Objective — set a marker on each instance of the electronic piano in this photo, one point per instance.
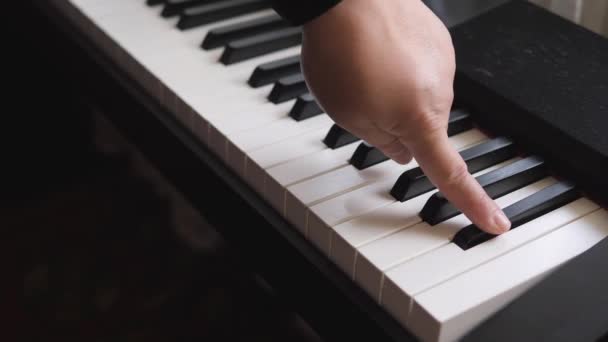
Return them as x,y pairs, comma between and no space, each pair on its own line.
529,119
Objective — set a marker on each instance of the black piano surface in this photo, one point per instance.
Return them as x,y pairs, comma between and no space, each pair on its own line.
569,304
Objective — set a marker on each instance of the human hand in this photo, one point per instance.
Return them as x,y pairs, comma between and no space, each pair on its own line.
384,71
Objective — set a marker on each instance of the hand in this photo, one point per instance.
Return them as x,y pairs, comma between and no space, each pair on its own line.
384,70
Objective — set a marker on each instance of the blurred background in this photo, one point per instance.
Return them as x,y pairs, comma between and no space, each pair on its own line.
592,14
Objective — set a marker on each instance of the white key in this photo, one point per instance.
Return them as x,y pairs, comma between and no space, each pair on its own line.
299,197
269,156
375,258
406,280
257,117
449,310
348,237
273,133
282,176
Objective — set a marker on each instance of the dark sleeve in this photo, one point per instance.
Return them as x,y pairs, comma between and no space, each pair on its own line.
299,12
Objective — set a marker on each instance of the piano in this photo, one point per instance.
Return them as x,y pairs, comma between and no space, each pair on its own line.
364,247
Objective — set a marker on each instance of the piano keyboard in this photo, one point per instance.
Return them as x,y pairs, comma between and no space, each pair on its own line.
229,70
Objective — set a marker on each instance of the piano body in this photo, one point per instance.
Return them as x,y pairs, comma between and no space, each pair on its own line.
363,247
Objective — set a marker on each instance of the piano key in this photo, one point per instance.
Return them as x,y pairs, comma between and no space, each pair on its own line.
246,48
407,280
522,212
276,154
282,176
348,237
375,258
449,310
367,155
209,13
275,132
413,182
271,72
304,194
288,88
496,184
305,107
225,34
338,137
459,121
175,7
95,10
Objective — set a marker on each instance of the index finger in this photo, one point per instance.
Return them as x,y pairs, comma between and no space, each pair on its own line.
445,168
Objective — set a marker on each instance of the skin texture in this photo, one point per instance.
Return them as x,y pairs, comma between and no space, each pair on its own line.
384,70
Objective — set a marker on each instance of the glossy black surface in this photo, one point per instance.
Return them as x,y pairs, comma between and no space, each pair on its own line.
413,182
270,72
521,212
305,107
496,183
246,48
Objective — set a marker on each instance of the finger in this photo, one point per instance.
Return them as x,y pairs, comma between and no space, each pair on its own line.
390,145
397,151
446,169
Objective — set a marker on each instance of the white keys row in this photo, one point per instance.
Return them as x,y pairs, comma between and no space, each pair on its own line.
409,279
450,309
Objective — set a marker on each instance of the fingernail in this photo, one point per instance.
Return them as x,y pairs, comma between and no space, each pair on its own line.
501,222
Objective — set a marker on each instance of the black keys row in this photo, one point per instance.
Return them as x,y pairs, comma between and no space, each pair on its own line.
522,212
223,35
366,156
246,48
413,182
216,11
496,184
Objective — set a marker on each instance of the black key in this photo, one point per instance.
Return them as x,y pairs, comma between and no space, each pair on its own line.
305,107
366,156
338,137
496,184
246,48
459,122
154,2
225,34
175,7
271,72
288,88
209,13
522,212
413,182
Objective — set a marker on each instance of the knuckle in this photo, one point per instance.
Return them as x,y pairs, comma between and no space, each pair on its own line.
457,175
